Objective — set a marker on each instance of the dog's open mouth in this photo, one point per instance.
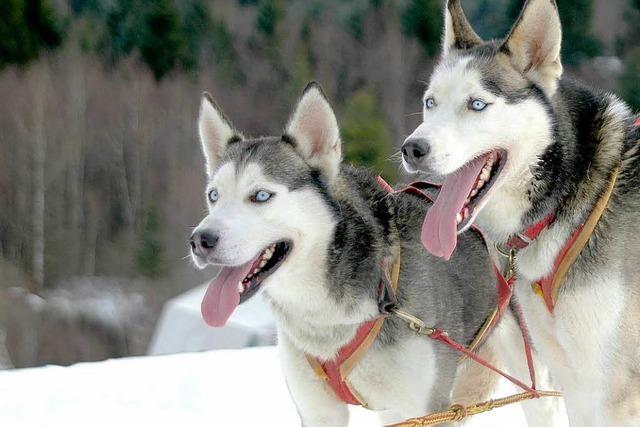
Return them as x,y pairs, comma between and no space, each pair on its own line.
234,285
462,196
268,262
478,195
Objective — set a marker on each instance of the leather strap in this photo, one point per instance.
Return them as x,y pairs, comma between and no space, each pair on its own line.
522,240
549,286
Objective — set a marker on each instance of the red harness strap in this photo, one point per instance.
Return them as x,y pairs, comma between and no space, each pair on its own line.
522,240
548,287
504,297
504,287
335,371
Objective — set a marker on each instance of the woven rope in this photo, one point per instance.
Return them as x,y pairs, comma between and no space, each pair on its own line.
458,412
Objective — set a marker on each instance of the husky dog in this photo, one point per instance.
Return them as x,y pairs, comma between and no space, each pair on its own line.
517,143
288,219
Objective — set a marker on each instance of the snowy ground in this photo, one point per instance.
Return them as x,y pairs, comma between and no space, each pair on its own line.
216,388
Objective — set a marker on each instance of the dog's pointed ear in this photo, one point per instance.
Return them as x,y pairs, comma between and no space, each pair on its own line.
534,44
315,133
216,132
458,33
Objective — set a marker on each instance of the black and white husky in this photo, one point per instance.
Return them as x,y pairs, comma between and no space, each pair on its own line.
288,219
519,144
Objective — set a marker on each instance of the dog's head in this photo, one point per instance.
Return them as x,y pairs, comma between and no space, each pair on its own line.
267,200
486,115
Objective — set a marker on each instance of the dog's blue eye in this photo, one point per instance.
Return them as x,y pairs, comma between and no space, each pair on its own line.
213,196
429,103
477,105
261,196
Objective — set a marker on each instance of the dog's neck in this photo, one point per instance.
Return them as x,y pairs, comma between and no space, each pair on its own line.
331,287
567,177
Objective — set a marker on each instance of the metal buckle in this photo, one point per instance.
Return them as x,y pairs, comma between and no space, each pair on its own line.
511,263
415,324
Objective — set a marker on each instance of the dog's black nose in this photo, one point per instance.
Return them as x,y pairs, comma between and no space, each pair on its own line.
414,150
202,243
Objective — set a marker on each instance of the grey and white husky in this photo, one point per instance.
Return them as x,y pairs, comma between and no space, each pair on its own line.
517,143
288,219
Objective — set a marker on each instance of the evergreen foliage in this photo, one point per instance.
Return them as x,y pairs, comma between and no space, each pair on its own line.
270,13
365,134
423,19
149,257
628,85
26,28
161,43
196,25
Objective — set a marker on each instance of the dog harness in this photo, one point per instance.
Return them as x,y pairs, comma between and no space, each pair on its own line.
335,372
549,286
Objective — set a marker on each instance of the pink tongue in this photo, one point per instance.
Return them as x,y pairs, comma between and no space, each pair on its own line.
439,229
222,296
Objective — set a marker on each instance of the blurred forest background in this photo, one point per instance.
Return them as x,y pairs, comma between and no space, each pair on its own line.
101,174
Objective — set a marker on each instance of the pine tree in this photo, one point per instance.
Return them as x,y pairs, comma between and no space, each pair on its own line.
366,134
196,25
628,85
150,26
270,13
422,19
161,42
26,28
149,257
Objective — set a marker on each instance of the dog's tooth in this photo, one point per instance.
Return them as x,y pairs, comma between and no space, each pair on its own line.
474,192
458,218
263,263
485,175
480,184
240,287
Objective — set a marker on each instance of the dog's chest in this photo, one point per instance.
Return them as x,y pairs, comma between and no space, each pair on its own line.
581,330
398,378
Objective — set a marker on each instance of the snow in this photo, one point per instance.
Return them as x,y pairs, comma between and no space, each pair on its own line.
215,388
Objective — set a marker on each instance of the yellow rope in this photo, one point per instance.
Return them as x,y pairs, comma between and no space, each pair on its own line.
459,412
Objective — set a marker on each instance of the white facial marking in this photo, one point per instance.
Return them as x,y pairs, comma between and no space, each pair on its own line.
247,230
456,135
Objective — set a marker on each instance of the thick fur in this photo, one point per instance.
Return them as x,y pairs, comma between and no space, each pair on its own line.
563,141
342,225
